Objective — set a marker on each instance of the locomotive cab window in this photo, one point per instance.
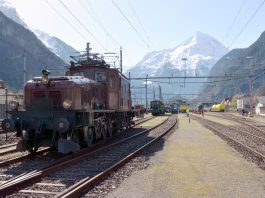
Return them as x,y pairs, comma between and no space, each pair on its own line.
100,76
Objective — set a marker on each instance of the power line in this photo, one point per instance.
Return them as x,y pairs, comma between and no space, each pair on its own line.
244,27
142,39
81,24
98,21
139,21
233,23
56,11
191,77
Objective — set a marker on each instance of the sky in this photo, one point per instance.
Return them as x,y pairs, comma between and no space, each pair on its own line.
143,26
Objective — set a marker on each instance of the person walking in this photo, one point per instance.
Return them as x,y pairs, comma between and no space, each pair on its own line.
188,114
202,113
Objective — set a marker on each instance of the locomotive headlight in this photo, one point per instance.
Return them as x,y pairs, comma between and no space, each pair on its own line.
67,104
45,80
13,104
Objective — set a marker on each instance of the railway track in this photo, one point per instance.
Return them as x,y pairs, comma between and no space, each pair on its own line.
9,154
142,120
9,148
246,123
251,146
68,178
8,138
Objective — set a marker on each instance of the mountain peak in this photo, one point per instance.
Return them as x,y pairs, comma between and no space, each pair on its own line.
203,44
8,9
200,50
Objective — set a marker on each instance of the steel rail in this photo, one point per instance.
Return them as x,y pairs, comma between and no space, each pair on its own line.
239,120
22,157
13,184
8,145
142,120
241,130
234,140
88,182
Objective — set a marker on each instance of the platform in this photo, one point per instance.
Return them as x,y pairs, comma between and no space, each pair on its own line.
195,163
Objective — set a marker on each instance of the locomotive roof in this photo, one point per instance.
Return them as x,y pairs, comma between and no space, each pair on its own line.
75,79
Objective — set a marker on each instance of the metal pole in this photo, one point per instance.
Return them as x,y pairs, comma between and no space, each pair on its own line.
6,92
185,60
87,51
250,83
146,91
154,93
160,97
6,107
121,58
24,68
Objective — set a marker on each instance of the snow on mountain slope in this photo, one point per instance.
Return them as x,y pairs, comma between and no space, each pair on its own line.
8,10
194,57
201,52
56,45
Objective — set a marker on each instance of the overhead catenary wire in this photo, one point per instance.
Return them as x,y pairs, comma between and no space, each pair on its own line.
130,23
91,34
234,21
65,20
249,20
97,20
139,21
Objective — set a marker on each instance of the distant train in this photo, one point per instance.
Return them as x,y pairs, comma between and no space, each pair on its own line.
174,108
91,102
218,107
157,107
183,108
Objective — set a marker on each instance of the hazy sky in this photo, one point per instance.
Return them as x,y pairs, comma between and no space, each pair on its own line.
157,24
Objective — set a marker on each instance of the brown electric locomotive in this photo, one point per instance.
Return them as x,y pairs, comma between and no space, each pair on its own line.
91,102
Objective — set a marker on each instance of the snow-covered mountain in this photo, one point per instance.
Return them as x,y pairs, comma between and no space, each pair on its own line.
56,45
201,52
8,10
195,57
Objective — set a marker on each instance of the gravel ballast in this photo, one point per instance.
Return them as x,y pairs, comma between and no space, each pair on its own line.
194,163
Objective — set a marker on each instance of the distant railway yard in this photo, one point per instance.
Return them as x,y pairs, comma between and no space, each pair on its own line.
109,168
82,134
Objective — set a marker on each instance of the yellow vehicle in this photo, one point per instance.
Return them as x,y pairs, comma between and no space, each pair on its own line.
183,108
218,108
